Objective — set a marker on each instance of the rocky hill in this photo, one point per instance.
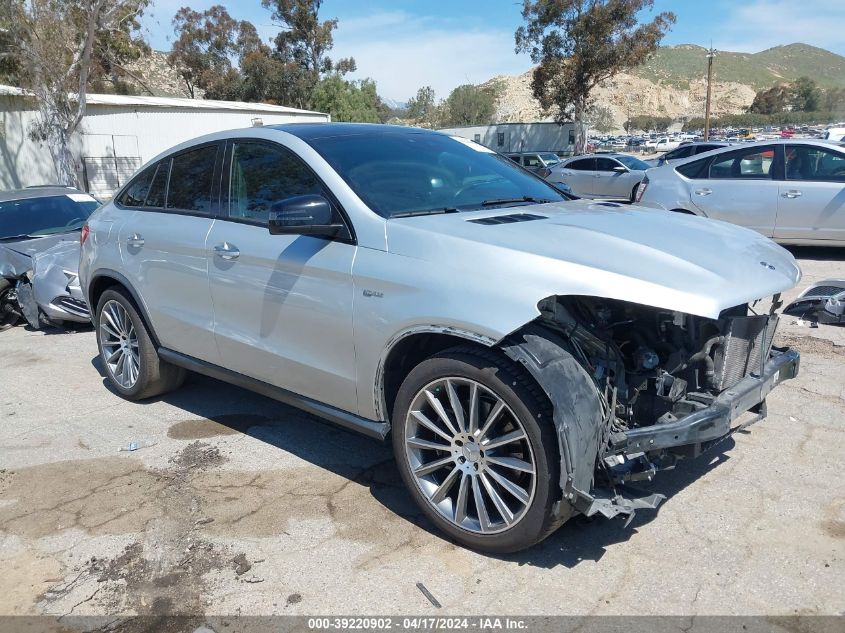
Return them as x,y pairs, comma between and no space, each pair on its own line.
157,76
673,83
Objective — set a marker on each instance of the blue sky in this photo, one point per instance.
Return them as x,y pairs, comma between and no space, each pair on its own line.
405,44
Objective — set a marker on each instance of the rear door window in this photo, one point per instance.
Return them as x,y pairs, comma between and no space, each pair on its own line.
583,164
606,164
192,180
700,149
753,163
681,152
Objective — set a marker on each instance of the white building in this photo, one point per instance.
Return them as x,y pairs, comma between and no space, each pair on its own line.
520,137
121,133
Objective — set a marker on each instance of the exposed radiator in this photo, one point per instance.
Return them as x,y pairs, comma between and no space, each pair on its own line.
748,341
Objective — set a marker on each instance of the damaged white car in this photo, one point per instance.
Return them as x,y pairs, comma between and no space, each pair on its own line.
531,355
39,256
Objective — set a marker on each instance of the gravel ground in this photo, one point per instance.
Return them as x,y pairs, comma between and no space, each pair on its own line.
235,504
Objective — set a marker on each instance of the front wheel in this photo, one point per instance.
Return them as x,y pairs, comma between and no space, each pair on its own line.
473,438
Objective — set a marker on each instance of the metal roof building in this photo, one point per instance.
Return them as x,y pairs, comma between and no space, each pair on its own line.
120,133
539,136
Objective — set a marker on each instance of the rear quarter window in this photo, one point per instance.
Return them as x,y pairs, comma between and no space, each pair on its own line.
695,169
135,194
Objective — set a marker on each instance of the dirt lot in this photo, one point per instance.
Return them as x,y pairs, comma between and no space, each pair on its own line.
237,504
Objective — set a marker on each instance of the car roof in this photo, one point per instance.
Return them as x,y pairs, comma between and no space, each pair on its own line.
37,192
302,131
313,131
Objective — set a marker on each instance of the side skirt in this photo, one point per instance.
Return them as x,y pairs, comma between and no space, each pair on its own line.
344,419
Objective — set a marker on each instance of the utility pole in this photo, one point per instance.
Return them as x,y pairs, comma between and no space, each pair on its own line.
710,55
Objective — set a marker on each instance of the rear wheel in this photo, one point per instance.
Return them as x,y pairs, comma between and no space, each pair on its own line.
127,350
473,438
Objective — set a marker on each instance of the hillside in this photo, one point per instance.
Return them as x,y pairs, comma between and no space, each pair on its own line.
676,65
673,83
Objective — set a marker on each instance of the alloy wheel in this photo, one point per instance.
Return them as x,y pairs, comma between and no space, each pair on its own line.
470,455
119,343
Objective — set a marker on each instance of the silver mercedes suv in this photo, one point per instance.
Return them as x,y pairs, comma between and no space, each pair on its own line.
530,355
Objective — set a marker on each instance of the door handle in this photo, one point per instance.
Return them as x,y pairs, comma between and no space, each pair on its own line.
227,251
792,193
703,192
135,240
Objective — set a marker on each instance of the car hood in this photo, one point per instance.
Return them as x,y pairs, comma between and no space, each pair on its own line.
662,259
16,256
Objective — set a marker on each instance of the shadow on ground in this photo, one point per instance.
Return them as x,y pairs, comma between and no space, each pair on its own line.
817,253
217,408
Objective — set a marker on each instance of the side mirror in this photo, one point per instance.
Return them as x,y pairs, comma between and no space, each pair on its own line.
619,169
304,215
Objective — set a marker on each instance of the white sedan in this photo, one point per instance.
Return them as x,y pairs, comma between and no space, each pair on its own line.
791,190
605,176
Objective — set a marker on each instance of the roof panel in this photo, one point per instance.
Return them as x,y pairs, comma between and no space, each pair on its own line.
176,102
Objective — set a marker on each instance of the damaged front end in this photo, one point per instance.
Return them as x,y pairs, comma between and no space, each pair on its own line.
42,288
636,388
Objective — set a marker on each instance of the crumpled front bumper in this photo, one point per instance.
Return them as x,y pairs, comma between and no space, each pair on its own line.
714,421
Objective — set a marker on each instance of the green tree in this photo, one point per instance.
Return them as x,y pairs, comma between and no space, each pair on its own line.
206,43
301,49
349,100
577,44
57,49
422,108
601,119
769,101
468,105
806,96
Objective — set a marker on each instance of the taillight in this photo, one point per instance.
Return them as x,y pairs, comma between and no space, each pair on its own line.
641,189
83,235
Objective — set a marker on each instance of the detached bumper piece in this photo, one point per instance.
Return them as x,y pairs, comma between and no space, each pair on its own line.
823,302
714,421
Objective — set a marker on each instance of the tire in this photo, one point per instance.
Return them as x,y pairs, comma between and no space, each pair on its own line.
524,408
9,316
117,314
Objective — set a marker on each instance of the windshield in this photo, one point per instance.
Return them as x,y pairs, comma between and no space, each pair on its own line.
551,159
36,217
407,173
632,162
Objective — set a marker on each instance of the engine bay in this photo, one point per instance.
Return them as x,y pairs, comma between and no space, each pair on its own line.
654,367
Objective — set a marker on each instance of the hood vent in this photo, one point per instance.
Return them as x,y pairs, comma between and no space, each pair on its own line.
508,219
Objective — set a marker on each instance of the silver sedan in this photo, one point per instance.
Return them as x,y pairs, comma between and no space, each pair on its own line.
791,190
606,176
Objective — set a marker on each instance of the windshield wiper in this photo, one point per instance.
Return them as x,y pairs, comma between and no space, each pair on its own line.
19,237
410,214
495,201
